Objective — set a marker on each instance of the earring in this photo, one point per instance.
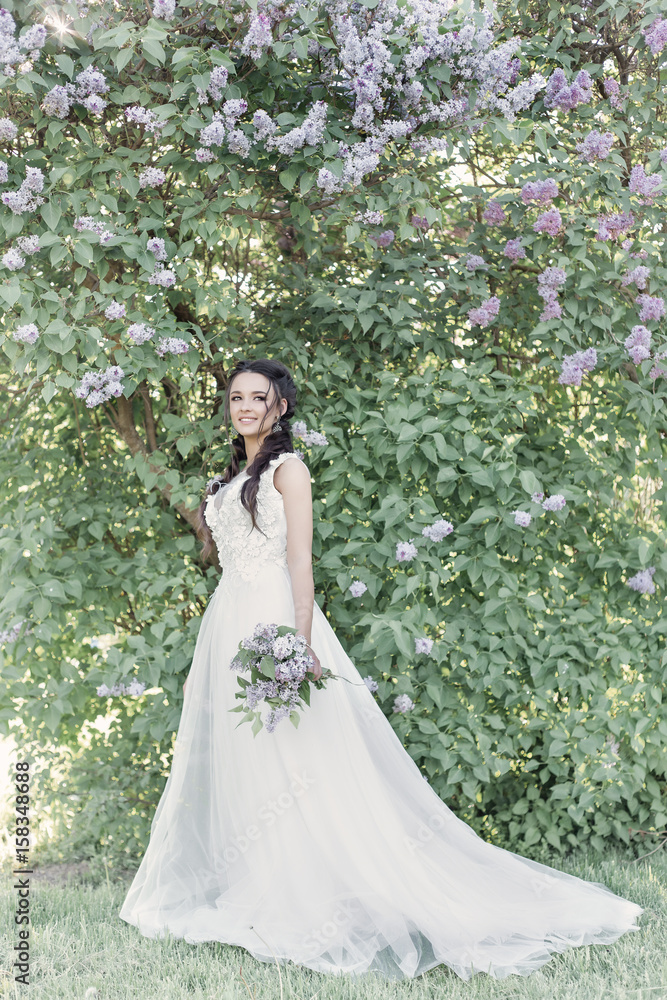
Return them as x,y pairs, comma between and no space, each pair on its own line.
276,426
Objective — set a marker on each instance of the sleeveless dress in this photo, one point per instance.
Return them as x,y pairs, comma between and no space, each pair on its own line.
324,844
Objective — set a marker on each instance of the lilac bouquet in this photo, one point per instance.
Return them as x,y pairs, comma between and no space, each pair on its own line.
277,660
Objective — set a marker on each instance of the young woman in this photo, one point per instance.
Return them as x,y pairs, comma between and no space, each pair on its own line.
323,844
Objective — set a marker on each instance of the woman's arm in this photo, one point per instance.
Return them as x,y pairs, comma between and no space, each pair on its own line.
292,479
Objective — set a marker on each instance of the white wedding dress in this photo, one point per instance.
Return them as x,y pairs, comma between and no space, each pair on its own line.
324,844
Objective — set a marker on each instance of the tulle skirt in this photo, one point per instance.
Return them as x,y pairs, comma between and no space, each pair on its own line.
324,844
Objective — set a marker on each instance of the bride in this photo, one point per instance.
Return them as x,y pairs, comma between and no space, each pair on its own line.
323,844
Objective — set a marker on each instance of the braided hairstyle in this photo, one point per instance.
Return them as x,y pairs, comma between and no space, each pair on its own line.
274,444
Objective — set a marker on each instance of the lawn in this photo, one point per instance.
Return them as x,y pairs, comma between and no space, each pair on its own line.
81,949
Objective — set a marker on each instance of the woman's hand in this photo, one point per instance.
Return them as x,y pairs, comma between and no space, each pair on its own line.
316,670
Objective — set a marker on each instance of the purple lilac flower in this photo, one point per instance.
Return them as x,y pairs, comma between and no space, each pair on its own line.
204,155
566,97
522,518
549,283
238,142
144,116
264,125
541,192
115,310
94,104
494,214
595,146
643,581
482,315
8,129
259,36
420,222
403,703
370,684
384,239
555,502
213,134
473,261
87,222
614,226
405,551
537,496
97,387
357,588
651,307
574,366
25,200
10,635
638,276
27,334
438,530
646,186
423,644
548,222
4,173
171,345
58,101
638,343
514,249
655,35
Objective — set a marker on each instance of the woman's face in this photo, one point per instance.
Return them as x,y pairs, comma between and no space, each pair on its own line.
251,394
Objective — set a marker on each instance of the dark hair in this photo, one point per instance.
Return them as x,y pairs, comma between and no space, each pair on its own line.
274,444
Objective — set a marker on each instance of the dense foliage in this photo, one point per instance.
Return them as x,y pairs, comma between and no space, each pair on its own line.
450,223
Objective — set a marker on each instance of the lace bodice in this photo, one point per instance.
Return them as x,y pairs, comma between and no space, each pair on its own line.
241,548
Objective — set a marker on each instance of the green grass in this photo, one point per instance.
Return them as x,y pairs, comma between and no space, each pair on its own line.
78,942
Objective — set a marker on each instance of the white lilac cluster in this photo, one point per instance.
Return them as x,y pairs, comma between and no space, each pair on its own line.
171,345
438,530
8,129
539,192
291,662
89,223
522,518
97,387
135,688
564,96
90,83
163,276
403,703
14,259
638,276
164,10
370,218
548,285
370,684
405,551
595,146
139,333
156,246
423,644
259,35
357,588
484,314
25,199
115,310
309,133
300,431
645,186
574,365
642,581
139,115
27,334
151,177
21,52
614,226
